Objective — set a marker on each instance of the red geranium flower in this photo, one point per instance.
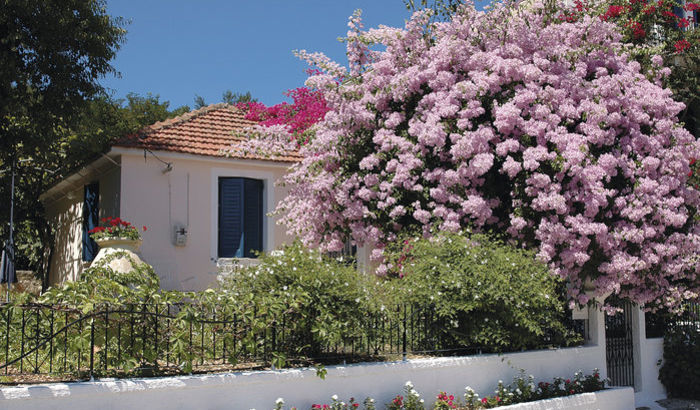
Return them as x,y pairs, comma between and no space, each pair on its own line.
669,15
682,45
613,11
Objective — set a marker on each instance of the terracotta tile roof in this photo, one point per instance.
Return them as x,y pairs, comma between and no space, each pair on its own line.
205,131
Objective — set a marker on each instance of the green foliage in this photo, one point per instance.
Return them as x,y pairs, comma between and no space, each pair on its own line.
442,8
522,390
101,285
485,292
54,115
322,300
229,97
410,400
680,373
53,54
295,307
104,119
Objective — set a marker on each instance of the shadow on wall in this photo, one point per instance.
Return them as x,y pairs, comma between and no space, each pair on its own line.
66,262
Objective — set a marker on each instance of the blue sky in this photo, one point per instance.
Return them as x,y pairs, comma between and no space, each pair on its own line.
179,48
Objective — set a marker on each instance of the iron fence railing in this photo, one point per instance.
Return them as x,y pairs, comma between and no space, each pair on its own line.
147,339
656,324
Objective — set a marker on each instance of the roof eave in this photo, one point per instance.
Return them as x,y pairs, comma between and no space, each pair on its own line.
68,184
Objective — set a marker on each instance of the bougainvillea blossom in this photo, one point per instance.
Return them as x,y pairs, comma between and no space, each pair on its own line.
505,121
308,107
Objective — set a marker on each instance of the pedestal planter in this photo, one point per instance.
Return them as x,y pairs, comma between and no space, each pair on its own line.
128,249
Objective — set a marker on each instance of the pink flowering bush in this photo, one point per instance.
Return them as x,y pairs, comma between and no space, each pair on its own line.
308,107
513,122
281,128
655,27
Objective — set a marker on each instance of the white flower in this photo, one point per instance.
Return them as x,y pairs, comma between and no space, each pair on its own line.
414,393
279,400
422,401
409,384
334,397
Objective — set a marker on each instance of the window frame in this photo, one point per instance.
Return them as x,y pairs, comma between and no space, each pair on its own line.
245,194
268,197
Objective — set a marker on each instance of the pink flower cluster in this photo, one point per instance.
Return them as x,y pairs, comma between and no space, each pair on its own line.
308,107
546,132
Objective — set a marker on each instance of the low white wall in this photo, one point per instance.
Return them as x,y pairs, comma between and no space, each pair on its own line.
301,387
619,398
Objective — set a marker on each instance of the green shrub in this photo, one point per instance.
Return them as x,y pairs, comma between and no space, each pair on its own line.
680,373
486,293
99,284
321,300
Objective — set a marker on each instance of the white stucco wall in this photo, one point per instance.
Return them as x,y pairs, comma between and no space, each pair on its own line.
648,387
301,387
65,214
187,196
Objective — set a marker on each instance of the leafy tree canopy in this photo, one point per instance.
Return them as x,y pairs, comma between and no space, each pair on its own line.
53,53
229,97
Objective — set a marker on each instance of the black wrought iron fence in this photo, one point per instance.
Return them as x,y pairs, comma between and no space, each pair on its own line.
147,339
658,323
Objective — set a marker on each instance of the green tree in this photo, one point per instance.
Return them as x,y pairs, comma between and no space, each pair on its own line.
234,98
105,119
442,8
53,53
228,97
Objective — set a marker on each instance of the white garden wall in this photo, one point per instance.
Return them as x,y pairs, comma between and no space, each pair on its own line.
618,398
648,356
301,387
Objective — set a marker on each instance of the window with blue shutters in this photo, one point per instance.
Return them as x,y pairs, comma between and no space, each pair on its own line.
240,217
91,211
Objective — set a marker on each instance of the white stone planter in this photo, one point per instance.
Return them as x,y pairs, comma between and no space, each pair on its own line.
121,264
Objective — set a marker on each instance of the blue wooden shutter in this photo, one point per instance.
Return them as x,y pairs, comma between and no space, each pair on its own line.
231,217
252,217
678,11
90,219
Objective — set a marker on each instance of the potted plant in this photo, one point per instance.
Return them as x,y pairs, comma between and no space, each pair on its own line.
116,233
118,241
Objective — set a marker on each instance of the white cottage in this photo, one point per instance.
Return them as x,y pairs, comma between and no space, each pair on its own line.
198,204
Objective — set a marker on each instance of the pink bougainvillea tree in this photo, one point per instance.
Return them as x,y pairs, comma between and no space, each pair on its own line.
283,127
513,122
307,108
